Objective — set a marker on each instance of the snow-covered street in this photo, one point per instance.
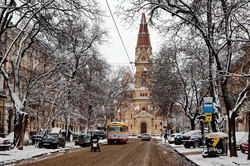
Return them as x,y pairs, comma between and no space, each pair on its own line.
30,151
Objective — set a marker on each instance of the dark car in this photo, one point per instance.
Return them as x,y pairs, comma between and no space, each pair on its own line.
83,140
99,133
36,138
76,135
145,136
38,135
52,140
192,138
178,139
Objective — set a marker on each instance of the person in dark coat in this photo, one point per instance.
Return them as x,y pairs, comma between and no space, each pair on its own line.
165,137
95,136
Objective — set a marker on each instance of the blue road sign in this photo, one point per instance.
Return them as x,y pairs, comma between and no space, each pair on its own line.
208,105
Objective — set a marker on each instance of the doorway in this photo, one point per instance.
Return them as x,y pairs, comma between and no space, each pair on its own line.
143,128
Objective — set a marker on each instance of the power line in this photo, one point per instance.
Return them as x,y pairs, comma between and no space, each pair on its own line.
119,33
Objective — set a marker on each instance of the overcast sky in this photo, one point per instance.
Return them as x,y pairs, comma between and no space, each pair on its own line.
113,51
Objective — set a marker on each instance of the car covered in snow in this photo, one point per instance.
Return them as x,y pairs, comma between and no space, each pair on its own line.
244,143
240,138
8,142
5,143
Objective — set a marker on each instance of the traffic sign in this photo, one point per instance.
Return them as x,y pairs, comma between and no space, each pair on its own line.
208,117
208,105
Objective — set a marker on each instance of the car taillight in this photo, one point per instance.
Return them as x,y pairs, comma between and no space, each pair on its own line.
189,138
6,142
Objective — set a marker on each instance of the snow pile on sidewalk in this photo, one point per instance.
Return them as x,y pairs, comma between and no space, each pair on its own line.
194,154
15,155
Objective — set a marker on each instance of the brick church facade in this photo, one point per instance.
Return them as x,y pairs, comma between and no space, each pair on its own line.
137,109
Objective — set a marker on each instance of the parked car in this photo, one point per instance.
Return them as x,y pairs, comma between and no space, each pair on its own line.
76,135
5,144
145,136
138,135
171,139
99,133
244,143
36,138
52,140
192,138
8,142
178,139
83,140
240,138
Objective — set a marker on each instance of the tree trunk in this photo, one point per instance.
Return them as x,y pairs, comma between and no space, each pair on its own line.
232,138
22,132
213,124
192,124
17,129
248,119
20,127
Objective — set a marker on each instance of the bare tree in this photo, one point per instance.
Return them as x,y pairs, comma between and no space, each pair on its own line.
179,72
114,89
20,23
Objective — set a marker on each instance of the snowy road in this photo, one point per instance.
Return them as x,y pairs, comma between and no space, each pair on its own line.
134,153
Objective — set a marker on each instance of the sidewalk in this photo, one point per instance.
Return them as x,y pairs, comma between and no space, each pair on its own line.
194,154
30,151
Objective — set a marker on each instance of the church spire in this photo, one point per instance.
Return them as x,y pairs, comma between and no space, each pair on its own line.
143,36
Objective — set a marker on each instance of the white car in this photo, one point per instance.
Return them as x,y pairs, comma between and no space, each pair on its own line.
146,136
171,138
7,143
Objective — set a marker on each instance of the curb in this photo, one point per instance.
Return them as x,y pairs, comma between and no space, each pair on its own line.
193,163
182,155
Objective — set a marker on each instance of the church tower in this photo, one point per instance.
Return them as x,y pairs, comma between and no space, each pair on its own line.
143,53
137,109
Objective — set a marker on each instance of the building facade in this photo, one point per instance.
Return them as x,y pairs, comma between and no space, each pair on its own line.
137,109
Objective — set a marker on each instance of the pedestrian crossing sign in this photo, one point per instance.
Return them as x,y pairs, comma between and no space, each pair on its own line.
208,117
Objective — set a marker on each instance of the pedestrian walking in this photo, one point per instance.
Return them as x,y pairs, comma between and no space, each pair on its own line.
165,137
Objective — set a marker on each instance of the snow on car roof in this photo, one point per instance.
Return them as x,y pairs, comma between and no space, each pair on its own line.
217,134
56,130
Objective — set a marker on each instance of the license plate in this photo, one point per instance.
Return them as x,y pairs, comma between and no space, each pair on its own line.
94,145
45,143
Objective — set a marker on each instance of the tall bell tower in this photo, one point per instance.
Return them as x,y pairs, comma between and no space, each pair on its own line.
143,52
137,110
